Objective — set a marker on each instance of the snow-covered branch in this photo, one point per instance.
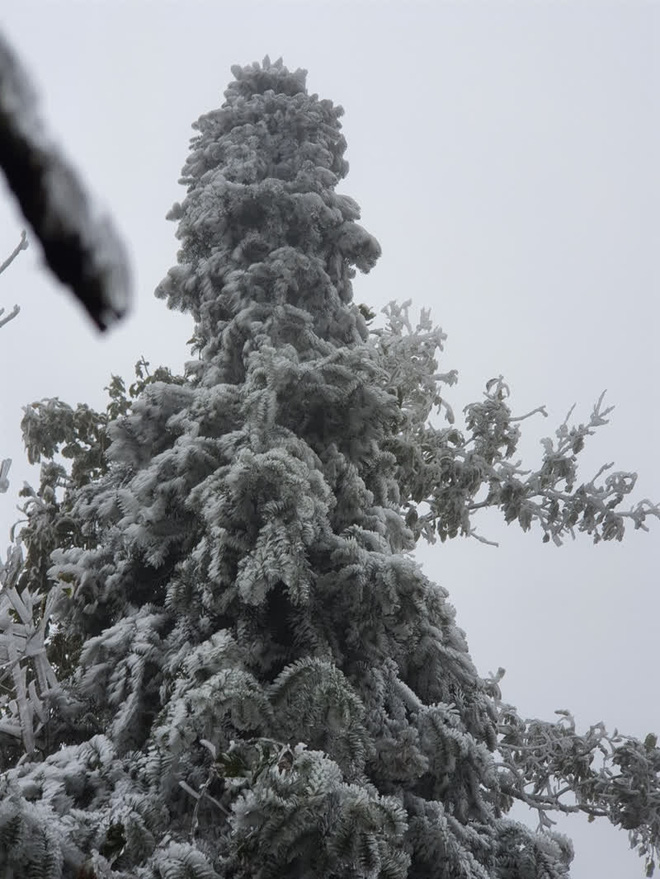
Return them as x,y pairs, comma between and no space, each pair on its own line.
551,767
447,475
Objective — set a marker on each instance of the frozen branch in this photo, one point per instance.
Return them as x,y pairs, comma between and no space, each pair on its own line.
604,774
22,245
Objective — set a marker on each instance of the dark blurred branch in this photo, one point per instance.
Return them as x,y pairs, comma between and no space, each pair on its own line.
81,248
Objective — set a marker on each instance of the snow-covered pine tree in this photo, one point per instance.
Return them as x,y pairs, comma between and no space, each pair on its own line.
256,678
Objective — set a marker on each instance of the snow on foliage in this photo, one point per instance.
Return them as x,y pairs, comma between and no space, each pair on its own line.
244,672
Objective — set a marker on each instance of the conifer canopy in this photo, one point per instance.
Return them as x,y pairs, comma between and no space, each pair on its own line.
224,659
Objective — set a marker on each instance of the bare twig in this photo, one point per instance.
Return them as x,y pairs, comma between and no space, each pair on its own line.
22,245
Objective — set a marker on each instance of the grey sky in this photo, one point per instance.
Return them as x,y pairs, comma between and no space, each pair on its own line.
506,157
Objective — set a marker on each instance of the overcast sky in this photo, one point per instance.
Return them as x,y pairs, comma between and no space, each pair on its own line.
506,157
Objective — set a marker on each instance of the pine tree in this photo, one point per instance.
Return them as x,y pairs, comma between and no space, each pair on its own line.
237,667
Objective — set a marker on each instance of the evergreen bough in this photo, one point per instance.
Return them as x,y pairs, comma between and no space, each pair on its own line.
220,656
